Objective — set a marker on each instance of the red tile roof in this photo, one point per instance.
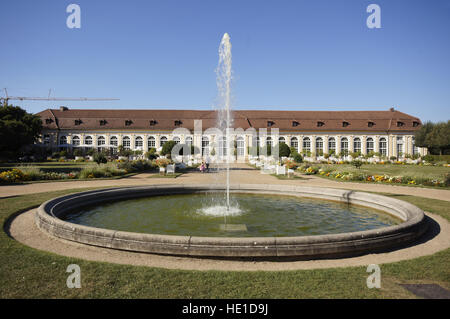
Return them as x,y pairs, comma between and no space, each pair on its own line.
283,120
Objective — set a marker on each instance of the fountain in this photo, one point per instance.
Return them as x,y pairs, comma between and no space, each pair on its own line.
267,220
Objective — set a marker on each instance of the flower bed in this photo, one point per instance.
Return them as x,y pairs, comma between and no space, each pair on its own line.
375,178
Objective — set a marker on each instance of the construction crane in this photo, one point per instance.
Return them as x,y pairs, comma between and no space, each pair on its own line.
4,100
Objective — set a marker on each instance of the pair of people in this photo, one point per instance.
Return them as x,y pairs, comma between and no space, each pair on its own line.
204,167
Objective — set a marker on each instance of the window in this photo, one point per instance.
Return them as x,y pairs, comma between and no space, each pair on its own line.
400,124
188,141
345,124
128,122
306,144
178,123
63,140
357,145
416,124
383,146
75,141
153,122
78,122
101,141
88,140
138,142
163,141
113,141
281,140
240,146
320,124
319,146
126,142
331,144
295,123
344,146
223,146
370,124
205,145
151,142
103,122
294,142
176,139
270,123
48,121
399,146
269,142
369,145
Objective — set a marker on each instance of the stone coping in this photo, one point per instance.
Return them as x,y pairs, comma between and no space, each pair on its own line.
48,216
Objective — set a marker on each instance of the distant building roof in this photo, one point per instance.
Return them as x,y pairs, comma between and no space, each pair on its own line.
167,120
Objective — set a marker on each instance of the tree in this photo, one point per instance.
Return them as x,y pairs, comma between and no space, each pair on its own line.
439,137
167,148
100,158
434,136
284,150
18,128
421,134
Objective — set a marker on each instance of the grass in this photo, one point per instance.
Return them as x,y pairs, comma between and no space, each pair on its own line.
29,273
157,175
58,167
283,177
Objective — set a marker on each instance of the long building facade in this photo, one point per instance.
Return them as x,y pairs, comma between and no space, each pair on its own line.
390,132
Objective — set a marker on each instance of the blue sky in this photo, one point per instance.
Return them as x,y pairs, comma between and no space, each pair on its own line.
303,55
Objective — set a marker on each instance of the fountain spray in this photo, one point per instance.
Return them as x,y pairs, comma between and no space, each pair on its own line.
224,90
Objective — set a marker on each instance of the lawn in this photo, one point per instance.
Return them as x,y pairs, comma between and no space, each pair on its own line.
29,273
58,167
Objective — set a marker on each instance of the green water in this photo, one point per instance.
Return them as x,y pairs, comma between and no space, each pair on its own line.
262,215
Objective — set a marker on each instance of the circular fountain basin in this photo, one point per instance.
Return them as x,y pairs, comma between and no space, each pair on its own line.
269,221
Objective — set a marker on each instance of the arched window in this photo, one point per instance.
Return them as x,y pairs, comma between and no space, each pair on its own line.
281,140
383,146
88,140
223,146
151,142
126,143
344,146
188,141
240,146
163,141
76,141
176,139
399,146
63,140
101,140
113,141
331,145
294,142
369,144
269,142
138,142
205,146
306,144
319,146
357,144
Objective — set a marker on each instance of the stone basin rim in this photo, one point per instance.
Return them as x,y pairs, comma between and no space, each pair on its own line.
311,247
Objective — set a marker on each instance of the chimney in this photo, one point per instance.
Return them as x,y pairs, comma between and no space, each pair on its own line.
63,108
392,109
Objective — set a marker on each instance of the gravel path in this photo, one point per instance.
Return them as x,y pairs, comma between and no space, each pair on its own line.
240,174
24,230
